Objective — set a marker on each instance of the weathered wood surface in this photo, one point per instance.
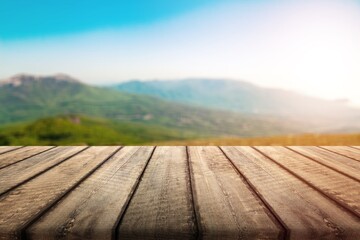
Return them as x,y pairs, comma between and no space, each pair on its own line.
80,213
162,204
4,149
334,161
179,192
25,203
302,209
20,172
21,154
227,206
342,189
345,151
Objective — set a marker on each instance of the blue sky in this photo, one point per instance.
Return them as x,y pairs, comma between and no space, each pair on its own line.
41,18
310,46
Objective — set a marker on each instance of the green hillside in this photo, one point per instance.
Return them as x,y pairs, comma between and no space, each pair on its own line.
28,98
80,130
282,140
246,98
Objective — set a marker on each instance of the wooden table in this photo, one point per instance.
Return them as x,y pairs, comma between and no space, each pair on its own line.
180,192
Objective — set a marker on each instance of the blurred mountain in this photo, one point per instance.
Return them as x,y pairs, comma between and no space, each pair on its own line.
246,98
28,98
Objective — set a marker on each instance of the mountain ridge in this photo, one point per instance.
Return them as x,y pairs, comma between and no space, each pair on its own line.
247,98
48,96
23,78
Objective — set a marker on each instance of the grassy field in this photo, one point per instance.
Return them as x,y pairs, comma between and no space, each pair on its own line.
81,130
299,140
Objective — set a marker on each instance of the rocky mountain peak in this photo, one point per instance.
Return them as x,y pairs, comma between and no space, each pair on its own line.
21,79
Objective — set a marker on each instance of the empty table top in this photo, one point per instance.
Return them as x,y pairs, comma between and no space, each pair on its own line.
148,192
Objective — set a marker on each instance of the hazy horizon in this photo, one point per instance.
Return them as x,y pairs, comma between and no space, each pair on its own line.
105,84
310,47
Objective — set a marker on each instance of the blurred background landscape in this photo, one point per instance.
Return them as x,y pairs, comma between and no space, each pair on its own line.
59,110
190,73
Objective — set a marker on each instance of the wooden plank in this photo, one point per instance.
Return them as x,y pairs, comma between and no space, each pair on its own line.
337,162
340,188
21,206
4,149
19,172
306,213
162,205
227,207
12,157
92,209
345,151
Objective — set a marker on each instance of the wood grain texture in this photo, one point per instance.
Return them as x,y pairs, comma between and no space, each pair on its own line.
336,186
179,193
332,160
92,209
161,207
345,151
23,204
20,154
306,213
4,149
227,208
21,171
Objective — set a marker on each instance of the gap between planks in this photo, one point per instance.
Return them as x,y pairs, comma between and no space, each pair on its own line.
195,210
344,151
352,208
349,168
